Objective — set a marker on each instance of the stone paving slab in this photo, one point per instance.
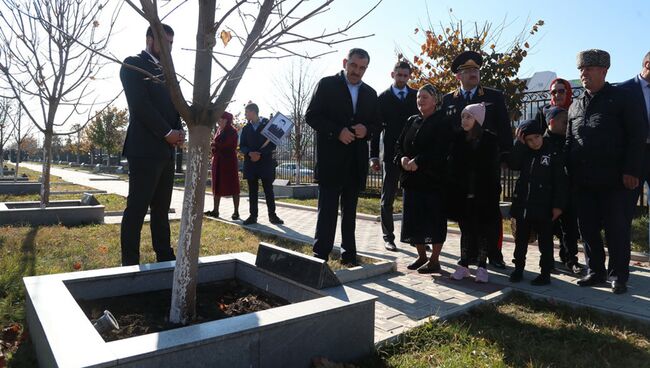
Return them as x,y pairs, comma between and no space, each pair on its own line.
406,298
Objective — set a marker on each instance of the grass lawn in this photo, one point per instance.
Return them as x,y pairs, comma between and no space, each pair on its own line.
521,332
28,251
112,202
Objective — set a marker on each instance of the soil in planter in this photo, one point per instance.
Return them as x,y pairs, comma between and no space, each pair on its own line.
144,313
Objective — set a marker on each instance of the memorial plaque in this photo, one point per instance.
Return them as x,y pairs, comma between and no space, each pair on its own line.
307,270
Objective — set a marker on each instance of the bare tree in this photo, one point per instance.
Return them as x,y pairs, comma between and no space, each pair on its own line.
295,90
256,29
6,129
47,64
21,135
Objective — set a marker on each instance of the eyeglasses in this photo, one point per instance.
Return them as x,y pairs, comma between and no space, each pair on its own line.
558,91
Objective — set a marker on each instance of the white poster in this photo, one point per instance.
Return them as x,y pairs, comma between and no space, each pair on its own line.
277,128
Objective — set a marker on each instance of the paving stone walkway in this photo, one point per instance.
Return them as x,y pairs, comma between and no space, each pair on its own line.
406,298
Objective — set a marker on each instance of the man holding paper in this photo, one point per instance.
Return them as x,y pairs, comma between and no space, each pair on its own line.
258,164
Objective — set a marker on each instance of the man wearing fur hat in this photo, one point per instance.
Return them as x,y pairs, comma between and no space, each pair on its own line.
466,66
605,145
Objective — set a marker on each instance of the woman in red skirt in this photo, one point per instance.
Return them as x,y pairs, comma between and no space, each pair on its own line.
225,178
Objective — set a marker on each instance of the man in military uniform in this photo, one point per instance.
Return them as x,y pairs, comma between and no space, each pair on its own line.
467,68
605,145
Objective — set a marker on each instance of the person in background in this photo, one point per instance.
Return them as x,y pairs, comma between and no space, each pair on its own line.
566,228
396,105
474,190
561,96
467,66
421,152
538,199
154,132
345,115
224,165
259,164
605,145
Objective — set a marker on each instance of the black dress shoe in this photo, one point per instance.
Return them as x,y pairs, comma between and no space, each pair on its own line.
517,275
349,262
274,219
416,264
235,216
390,245
619,287
574,267
591,280
541,279
251,220
498,264
211,213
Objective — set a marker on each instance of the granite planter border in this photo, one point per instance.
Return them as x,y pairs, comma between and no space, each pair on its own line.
337,323
68,213
299,191
20,187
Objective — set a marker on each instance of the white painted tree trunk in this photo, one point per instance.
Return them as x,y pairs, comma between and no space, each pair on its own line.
47,163
189,241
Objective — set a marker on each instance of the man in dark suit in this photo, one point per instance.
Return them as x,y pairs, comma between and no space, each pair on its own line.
639,86
466,66
344,113
153,133
259,164
396,105
605,146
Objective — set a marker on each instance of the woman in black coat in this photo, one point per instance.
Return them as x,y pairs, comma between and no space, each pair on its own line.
421,152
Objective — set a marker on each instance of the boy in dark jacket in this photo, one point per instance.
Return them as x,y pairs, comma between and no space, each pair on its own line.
566,228
540,195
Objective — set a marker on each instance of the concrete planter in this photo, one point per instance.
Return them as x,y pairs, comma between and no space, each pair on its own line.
299,191
11,178
68,213
18,188
337,323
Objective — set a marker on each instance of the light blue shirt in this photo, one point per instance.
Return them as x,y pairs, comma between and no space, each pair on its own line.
354,93
397,91
255,124
472,92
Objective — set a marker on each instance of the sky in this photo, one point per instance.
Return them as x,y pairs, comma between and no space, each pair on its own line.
570,26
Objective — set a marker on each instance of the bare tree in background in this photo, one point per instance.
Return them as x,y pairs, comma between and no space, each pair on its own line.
21,135
47,65
6,129
295,90
250,29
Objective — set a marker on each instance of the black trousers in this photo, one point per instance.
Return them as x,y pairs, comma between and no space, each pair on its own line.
253,190
475,234
150,186
388,190
544,229
610,210
493,239
329,198
566,229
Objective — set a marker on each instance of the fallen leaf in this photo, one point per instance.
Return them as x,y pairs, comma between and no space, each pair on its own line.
77,265
103,249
